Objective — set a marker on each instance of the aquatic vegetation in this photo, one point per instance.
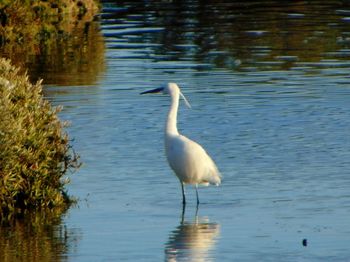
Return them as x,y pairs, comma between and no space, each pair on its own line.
35,152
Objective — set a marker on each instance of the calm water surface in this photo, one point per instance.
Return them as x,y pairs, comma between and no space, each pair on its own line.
269,84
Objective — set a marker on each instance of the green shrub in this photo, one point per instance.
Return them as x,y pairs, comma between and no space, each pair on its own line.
34,149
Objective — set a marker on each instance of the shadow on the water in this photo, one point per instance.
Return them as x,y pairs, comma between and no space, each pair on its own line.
37,236
192,241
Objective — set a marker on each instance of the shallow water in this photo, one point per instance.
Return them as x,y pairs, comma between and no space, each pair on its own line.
269,87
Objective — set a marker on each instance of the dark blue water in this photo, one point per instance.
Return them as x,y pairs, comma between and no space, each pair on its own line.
269,85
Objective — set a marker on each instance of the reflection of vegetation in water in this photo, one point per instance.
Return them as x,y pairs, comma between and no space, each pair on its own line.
38,236
245,34
56,40
76,60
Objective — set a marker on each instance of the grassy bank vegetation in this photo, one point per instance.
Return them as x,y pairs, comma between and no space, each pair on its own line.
57,40
29,21
34,149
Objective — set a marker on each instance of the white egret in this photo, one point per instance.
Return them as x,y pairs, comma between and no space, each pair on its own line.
189,161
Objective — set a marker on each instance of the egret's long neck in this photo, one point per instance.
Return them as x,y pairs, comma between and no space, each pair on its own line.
171,124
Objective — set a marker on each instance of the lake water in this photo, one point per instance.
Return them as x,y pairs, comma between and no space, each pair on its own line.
269,85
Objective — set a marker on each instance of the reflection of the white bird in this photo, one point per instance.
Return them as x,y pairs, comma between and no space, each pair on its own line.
192,241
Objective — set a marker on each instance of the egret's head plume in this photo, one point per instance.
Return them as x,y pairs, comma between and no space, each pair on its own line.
172,88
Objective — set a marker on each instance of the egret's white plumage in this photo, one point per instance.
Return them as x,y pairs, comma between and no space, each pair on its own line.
188,159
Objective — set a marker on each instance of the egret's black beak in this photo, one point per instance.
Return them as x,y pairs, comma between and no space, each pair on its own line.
157,90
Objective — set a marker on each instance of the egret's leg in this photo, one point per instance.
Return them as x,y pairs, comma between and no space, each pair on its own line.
183,214
183,193
197,194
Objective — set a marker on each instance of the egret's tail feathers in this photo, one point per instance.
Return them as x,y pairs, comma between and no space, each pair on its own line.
214,179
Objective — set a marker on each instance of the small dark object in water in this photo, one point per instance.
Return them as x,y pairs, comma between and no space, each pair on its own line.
304,242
